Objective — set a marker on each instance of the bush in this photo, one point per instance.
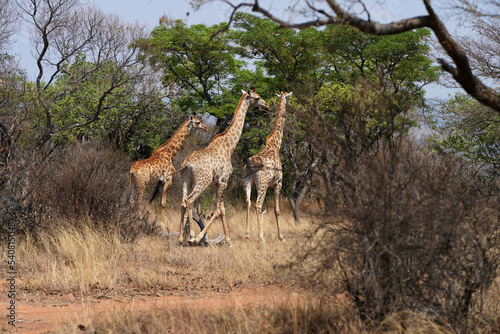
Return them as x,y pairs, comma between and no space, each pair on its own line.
409,230
78,185
84,181
17,209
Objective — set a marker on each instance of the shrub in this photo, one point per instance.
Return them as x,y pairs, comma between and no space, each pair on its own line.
409,230
83,181
17,209
77,185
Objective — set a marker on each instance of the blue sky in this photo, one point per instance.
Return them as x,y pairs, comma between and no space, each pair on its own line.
148,12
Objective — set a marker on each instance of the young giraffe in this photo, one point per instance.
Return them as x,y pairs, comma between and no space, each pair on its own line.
159,166
264,169
212,166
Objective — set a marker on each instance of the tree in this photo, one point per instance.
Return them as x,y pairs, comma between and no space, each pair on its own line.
13,111
11,86
294,60
471,130
336,14
463,125
198,63
62,32
396,65
8,22
133,119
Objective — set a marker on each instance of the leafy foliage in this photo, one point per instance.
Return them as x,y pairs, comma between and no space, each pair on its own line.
291,59
198,63
466,127
13,112
128,120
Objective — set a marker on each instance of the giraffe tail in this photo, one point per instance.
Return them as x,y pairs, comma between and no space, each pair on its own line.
159,184
157,190
247,171
252,166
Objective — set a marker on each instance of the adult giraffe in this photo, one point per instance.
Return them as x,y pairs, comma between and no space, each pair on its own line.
212,166
264,169
159,166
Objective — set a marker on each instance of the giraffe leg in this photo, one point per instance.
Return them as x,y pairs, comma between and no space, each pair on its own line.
220,188
277,190
261,195
222,210
195,193
181,227
189,208
166,186
186,185
139,192
248,191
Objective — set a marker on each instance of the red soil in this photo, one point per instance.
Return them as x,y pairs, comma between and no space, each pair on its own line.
37,314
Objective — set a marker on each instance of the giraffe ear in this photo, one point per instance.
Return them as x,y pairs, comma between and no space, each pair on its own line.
278,95
289,94
243,92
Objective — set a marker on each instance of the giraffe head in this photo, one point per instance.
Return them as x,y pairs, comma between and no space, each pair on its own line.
255,99
287,96
195,123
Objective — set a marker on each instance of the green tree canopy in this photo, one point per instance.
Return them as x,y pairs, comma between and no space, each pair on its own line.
131,118
292,59
197,62
470,129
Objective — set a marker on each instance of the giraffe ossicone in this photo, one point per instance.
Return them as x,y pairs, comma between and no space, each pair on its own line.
264,169
212,166
159,166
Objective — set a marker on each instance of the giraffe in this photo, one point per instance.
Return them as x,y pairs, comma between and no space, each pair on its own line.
159,166
264,169
212,166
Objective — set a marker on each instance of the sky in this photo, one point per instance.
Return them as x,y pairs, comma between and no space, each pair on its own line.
148,12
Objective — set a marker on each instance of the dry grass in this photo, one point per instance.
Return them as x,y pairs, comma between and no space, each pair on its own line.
304,318
86,259
311,317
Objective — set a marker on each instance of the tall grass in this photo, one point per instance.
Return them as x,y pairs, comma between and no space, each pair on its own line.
90,261
71,259
86,258
307,317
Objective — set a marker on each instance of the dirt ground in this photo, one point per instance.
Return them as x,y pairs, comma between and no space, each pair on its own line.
42,314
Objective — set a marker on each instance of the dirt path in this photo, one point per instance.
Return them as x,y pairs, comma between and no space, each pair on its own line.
41,316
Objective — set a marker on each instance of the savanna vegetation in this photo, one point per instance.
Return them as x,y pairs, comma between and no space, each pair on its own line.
391,204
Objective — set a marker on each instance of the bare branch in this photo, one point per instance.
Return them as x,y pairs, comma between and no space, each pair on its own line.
76,45
460,70
313,23
8,21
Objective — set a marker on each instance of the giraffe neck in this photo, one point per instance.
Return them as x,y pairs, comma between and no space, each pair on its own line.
228,139
273,141
173,145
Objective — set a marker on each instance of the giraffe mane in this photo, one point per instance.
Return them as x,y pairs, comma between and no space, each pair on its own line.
170,139
229,127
